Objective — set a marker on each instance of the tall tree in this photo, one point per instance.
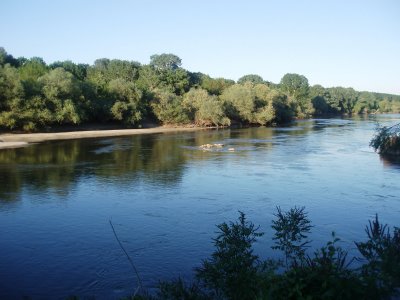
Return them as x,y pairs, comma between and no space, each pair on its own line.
11,96
253,78
204,109
165,61
295,85
105,70
168,107
29,72
127,101
215,86
342,99
319,98
297,88
61,92
78,70
240,102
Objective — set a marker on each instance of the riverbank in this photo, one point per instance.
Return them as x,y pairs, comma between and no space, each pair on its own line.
15,140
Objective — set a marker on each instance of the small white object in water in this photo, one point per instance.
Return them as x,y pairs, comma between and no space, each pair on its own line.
231,149
211,146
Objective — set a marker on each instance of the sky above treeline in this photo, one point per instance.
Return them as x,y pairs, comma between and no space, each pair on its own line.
333,43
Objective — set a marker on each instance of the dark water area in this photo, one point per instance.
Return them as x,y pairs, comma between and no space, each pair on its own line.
165,195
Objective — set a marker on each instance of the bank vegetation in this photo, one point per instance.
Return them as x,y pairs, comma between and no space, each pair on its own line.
35,96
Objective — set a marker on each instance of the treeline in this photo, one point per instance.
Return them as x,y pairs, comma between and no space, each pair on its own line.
35,95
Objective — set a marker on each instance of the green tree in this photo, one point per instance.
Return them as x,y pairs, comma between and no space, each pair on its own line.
264,109
297,88
62,94
33,69
10,86
175,80
148,79
282,110
291,233
78,70
342,99
104,70
168,108
215,86
295,85
11,96
205,109
3,56
252,103
382,253
127,101
165,61
253,78
30,72
240,102
233,268
319,99
366,102
6,58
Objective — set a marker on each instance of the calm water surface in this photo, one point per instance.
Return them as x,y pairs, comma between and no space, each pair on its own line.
165,195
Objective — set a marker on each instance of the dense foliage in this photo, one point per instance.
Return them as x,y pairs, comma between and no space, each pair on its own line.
234,271
387,140
37,96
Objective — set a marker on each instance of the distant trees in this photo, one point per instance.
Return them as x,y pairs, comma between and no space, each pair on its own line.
34,95
240,102
78,70
205,109
168,108
253,78
127,101
342,99
165,61
297,88
215,86
256,104
11,96
319,97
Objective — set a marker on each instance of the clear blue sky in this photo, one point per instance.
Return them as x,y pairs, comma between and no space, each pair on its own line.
332,43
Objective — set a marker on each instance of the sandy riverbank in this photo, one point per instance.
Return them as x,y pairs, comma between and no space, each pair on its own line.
24,139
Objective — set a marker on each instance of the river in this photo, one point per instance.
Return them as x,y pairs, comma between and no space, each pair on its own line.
165,195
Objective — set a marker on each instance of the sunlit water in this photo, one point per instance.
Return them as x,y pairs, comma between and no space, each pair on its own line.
164,196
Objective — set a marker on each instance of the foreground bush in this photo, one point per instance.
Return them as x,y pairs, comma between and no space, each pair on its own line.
234,271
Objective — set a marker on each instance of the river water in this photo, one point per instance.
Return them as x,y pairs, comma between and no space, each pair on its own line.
165,195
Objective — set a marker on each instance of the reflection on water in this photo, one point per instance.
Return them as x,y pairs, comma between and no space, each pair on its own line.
165,194
157,159
391,161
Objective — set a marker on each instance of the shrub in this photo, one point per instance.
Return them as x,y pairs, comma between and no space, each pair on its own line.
232,271
382,254
291,230
387,140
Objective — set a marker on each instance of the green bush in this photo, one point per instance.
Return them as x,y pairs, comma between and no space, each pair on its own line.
382,255
387,140
234,272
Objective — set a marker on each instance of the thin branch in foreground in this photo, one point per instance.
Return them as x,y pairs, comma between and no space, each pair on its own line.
140,286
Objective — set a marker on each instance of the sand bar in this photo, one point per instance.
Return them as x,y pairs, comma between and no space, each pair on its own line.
23,139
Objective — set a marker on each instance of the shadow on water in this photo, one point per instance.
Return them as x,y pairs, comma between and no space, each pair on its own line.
391,161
